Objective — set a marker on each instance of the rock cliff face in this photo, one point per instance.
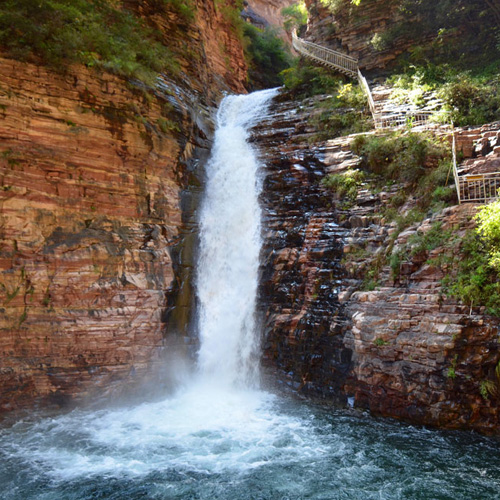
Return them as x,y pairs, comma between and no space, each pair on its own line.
377,32
402,350
266,12
92,171
300,309
352,30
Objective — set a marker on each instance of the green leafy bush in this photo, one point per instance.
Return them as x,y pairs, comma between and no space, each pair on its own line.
344,113
476,283
471,101
232,14
428,241
345,184
295,16
267,56
93,32
400,157
304,80
488,228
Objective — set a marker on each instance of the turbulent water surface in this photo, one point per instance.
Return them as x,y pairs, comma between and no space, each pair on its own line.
202,444
219,436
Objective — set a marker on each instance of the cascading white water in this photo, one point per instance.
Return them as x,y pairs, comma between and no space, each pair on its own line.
212,440
230,243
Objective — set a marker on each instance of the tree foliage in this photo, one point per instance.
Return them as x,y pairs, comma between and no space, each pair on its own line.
488,227
295,16
267,56
93,32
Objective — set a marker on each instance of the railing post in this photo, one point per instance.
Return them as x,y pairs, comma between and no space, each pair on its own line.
454,159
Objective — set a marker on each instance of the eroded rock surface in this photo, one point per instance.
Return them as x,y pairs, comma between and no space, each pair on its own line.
99,181
266,12
403,349
302,251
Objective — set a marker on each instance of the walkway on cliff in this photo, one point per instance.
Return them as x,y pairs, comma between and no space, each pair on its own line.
385,114
477,182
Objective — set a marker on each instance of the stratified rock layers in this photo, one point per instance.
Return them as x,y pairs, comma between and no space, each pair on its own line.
268,11
91,174
403,350
89,210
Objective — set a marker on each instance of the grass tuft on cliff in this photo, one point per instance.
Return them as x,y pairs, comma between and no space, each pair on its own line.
96,33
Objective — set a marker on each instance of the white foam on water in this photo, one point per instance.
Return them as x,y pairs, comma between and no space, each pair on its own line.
203,429
221,421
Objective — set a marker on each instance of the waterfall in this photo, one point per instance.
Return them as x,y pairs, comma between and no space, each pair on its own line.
217,436
230,243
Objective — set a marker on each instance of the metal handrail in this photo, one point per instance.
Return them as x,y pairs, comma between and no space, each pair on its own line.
455,169
338,60
475,188
349,65
366,89
472,188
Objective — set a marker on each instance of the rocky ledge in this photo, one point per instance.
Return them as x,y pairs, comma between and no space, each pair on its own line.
402,349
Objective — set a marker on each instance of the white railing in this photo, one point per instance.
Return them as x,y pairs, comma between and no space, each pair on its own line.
341,62
366,89
455,167
349,65
403,119
475,188
479,188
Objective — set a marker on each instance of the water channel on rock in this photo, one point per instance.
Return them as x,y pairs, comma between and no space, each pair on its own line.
219,436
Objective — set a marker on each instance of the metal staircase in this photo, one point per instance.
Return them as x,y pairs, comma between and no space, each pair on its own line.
477,188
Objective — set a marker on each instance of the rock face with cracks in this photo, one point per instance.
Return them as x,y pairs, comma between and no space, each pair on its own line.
403,349
92,174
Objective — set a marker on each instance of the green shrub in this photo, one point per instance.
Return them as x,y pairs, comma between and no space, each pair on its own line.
343,114
93,32
267,55
470,101
232,14
304,80
400,157
476,283
428,241
488,228
395,261
339,123
295,16
345,184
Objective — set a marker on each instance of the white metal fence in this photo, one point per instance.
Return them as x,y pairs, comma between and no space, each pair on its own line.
475,188
341,62
478,188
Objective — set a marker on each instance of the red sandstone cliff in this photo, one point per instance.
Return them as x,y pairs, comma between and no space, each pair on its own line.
404,349
91,171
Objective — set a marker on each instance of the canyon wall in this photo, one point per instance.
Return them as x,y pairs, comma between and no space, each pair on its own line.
352,29
400,348
378,32
93,171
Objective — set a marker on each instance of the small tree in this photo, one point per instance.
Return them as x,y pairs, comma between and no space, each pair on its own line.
295,16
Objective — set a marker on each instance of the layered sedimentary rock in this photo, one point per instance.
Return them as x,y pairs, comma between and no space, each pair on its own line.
377,32
301,313
92,171
403,349
418,354
352,30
